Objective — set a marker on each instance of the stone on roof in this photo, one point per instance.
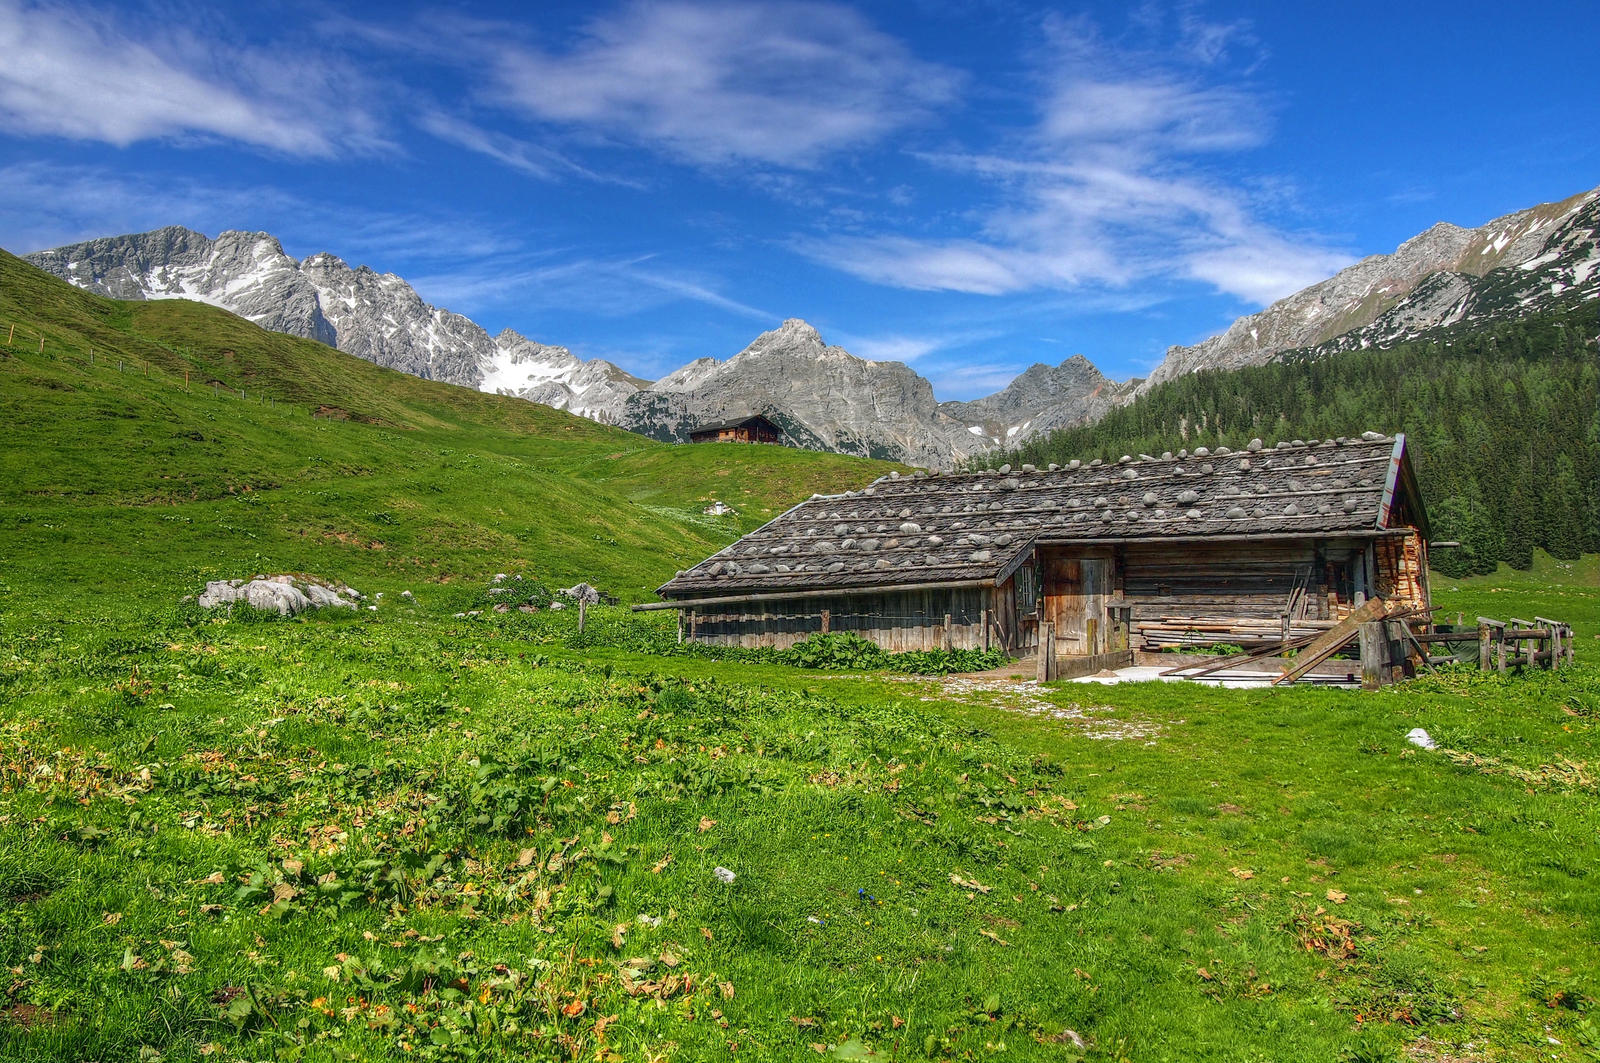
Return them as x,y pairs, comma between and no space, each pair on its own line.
970,526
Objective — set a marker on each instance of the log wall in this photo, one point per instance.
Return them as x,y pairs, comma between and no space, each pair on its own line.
1239,590
896,621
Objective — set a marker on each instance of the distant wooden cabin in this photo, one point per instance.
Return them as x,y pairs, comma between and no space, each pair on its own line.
1148,553
754,429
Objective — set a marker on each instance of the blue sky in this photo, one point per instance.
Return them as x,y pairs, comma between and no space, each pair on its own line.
969,187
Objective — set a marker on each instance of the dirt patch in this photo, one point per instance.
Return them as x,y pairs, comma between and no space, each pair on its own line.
1026,696
26,1016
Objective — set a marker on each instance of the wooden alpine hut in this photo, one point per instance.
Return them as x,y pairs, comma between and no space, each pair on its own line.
753,429
1196,548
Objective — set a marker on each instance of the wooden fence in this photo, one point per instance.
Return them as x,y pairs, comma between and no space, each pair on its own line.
1391,648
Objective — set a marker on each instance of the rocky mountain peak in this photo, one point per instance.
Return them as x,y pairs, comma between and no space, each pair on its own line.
1360,295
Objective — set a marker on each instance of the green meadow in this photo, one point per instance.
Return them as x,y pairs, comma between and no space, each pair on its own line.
402,833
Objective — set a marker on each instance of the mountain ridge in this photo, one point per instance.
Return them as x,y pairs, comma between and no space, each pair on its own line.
824,397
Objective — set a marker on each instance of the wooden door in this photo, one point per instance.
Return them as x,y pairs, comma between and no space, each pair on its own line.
1075,593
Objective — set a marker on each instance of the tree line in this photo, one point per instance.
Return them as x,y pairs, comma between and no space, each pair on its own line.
1502,423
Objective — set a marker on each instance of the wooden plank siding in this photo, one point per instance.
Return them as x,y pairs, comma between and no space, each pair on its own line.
896,621
1316,580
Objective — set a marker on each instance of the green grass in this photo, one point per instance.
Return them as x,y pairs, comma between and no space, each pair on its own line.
1156,894
406,834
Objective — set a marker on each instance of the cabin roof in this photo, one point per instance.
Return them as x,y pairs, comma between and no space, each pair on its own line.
976,526
742,422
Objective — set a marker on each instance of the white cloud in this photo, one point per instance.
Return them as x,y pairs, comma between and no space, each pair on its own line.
964,382
607,287
771,82
75,74
535,160
1111,186
894,348
44,205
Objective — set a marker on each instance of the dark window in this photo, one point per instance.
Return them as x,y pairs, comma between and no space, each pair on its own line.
1027,590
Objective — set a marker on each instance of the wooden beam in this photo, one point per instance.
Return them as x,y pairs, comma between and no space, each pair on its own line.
1330,641
1353,533
1219,663
816,592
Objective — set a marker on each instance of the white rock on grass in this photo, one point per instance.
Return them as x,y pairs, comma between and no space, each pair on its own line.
1420,738
582,592
284,595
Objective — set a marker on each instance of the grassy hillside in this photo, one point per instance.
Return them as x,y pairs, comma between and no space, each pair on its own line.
283,454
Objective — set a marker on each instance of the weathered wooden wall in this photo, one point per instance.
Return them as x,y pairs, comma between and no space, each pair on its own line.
1163,587
895,620
1244,585
1014,630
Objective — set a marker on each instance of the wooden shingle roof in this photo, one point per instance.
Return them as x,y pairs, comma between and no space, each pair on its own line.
977,526
754,419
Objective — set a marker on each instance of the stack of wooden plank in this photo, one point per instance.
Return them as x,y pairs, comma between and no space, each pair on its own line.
1180,632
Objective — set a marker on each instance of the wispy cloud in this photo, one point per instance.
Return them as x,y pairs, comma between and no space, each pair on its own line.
532,159
614,287
1111,186
893,348
84,75
44,205
770,82
962,381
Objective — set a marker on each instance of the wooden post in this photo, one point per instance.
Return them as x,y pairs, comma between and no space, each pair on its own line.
1394,632
1500,650
583,613
948,638
1553,637
694,621
186,380
1047,651
827,620
1374,666
986,629
680,626
1483,646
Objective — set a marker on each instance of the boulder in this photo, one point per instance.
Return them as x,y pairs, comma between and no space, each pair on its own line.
284,595
582,592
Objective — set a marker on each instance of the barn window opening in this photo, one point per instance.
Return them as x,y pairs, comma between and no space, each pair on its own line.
1027,590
